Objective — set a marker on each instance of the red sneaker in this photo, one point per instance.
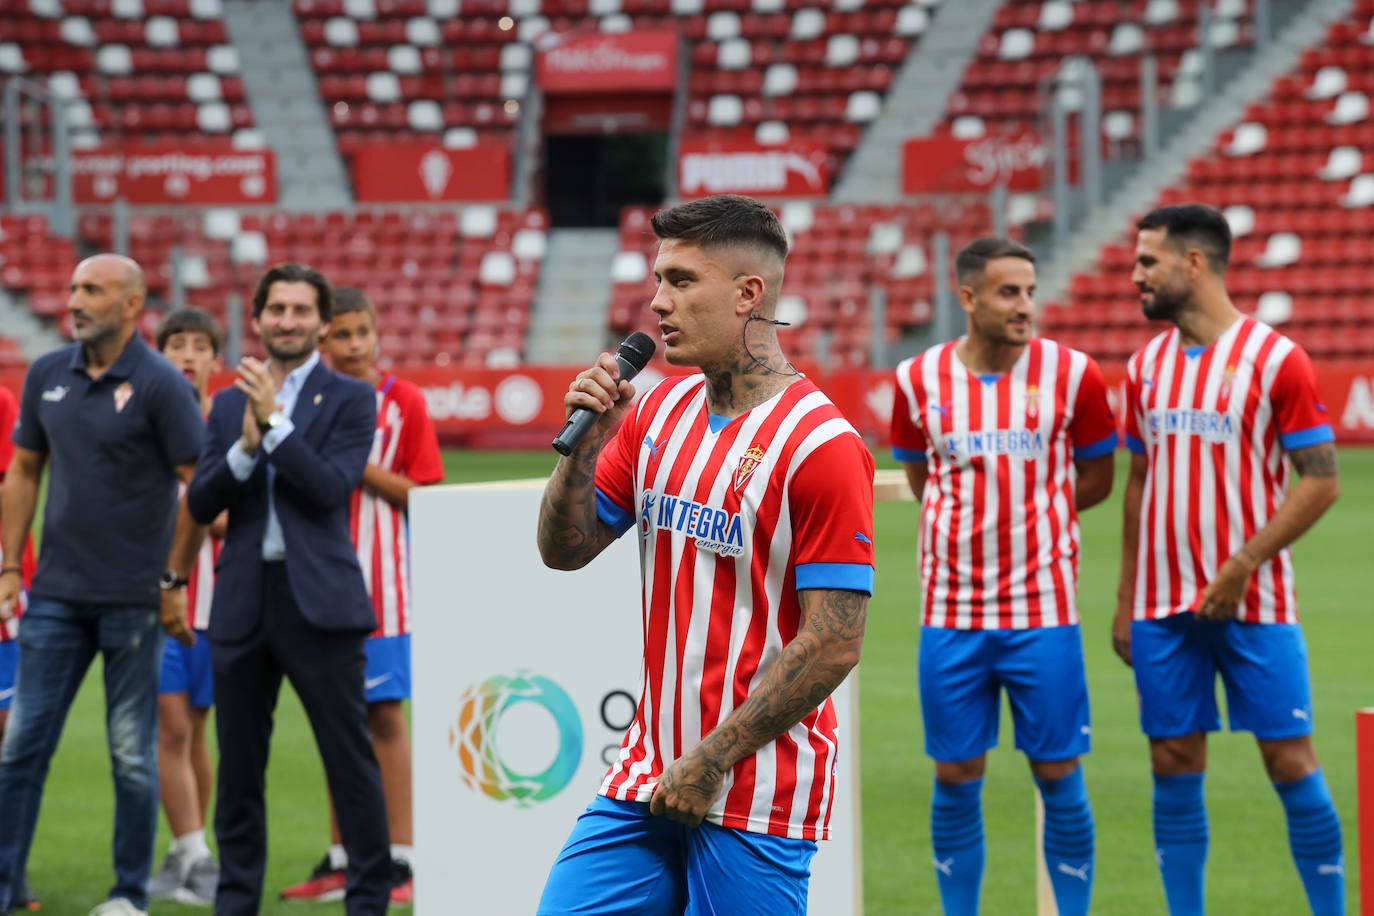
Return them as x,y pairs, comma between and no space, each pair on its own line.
325,884
402,884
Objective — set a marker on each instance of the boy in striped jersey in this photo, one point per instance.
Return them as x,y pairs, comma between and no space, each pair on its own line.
1220,410
752,498
405,454
1004,437
191,339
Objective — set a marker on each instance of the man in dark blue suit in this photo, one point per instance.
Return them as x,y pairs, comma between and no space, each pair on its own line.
284,449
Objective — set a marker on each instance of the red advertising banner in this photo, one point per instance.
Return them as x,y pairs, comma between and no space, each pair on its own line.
421,173
794,169
944,164
524,407
171,174
596,62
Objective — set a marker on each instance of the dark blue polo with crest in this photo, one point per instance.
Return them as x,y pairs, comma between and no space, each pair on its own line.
113,444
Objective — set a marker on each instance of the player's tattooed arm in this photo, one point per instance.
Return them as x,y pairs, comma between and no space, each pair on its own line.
1315,460
570,532
807,671
1317,488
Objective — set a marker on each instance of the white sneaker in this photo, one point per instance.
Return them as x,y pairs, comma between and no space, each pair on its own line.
120,906
168,878
198,889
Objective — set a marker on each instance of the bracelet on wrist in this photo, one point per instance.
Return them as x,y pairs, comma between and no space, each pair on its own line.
11,569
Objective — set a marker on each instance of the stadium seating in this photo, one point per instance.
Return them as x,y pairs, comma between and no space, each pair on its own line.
35,265
416,69
451,287
1296,180
132,70
1005,86
841,254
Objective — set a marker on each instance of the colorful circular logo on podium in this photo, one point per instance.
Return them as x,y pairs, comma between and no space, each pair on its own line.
502,743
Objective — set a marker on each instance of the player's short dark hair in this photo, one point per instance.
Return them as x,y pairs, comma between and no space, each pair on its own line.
351,299
1194,226
189,320
291,272
721,221
973,259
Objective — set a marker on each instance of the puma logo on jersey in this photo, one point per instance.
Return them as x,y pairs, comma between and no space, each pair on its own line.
56,393
946,867
1326,868
1301,714
653,448
862,538
1081,873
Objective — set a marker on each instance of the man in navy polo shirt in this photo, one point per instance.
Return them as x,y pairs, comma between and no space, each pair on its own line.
119,425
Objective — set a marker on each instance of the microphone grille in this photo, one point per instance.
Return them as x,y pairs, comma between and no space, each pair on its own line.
636,349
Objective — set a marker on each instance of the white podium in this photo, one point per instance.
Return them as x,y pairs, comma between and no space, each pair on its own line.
524,682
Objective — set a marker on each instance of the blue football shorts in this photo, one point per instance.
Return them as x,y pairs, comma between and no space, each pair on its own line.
1263,667
387,676
623,861
186,669
962,675
9,666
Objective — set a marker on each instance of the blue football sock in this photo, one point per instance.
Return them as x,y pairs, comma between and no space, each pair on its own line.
1314,836
956,836
1181,840
1068,841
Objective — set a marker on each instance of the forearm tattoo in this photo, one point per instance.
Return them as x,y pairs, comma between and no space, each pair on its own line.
568,526
809,669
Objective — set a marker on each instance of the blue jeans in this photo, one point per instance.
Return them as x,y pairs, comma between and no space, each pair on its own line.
57,643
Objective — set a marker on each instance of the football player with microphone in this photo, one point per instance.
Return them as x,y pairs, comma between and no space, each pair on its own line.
753,499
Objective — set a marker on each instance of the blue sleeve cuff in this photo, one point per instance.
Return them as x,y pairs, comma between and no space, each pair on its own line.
1097,449
610,513
855,577
276,435
1135,445
241,463
1302,438
909,454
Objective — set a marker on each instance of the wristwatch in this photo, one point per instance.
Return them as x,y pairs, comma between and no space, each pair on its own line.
274,419
170,580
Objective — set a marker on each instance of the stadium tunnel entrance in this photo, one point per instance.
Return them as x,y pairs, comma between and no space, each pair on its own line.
590,178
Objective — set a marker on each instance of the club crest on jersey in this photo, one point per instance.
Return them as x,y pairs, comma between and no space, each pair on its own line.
1032,402
1226,378
712,529
748,463
122,393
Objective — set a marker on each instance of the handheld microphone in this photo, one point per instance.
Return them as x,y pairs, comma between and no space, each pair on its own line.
631,356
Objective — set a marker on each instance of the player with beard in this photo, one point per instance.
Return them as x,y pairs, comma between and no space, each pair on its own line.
1004,437
1221,410
285,448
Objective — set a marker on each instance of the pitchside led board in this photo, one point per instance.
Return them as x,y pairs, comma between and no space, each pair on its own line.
524,682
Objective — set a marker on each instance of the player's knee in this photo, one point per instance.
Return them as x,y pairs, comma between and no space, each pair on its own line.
1176,756
957,771
1051,770
386,721
1289,760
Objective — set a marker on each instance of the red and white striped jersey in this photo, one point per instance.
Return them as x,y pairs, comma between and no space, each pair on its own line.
200,585
1216,424
734,519
405,444
9,413
999,528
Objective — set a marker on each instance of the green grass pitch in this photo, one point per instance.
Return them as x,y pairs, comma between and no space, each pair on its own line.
1249,871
